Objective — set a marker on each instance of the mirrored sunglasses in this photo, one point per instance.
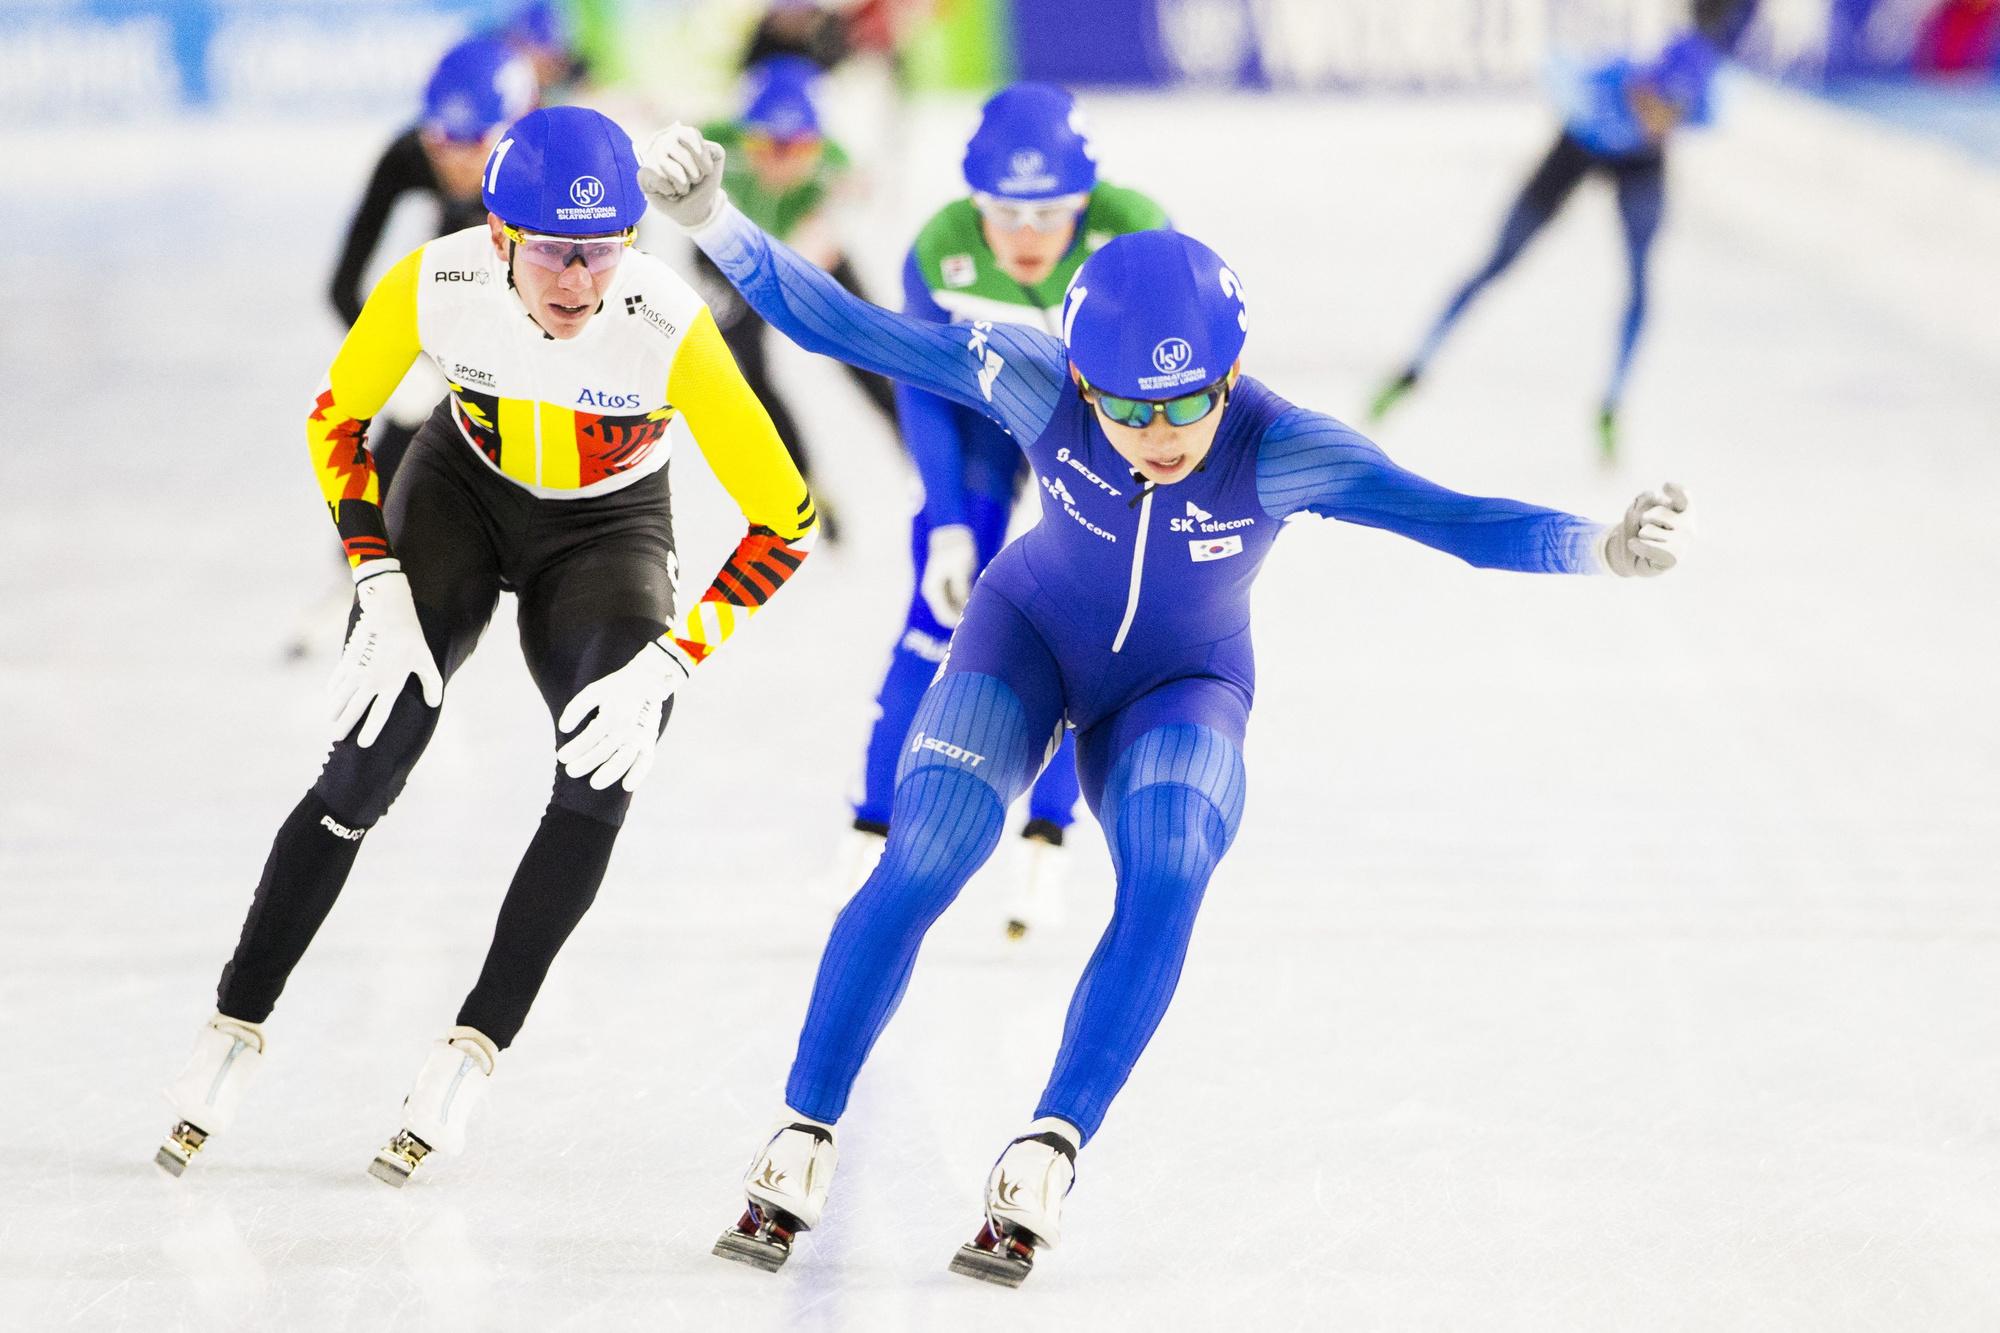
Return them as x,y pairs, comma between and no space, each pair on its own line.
600,254
1183,411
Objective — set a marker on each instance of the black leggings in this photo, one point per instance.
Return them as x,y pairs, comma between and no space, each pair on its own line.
1640,181
595,580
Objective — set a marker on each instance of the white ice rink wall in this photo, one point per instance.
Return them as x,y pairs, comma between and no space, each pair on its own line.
1593,955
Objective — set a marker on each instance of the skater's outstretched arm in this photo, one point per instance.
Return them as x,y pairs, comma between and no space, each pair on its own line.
930,423
1310,463
1011,374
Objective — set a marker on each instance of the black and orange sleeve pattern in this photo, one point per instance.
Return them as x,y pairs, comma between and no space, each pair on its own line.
736,436
370,364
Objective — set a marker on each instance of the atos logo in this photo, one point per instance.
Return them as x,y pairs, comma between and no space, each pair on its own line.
1171,355
586,191
599,398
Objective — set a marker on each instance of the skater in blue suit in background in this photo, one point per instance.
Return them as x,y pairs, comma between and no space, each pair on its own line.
1617,117
1165,476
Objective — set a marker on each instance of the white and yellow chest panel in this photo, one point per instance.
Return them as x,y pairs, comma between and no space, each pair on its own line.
562,418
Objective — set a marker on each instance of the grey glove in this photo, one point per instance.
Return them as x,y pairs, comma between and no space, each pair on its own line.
1652,537
681,173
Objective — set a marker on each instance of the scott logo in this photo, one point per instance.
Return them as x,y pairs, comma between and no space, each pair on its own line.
586,191
599,398
1171,355
1063,455
922,742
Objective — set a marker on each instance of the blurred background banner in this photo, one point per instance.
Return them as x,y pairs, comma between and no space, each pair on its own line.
96,58
1260,44
87,58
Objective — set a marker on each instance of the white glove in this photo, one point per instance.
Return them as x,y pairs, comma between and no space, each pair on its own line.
619,741
1652,537
681,172
385,648
949,568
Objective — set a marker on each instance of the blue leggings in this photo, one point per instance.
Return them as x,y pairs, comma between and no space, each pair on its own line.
913,663
1641,187
1164,775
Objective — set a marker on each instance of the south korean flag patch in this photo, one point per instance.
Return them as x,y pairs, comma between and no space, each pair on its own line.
959,270
1214,548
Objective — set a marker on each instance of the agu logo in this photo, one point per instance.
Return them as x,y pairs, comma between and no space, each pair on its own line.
586,191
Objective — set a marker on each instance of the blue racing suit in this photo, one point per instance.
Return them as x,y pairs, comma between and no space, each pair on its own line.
1126,612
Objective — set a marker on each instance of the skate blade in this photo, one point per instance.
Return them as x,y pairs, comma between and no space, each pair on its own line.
398,1161
391,1170
1005,1270
769,1255
183,1142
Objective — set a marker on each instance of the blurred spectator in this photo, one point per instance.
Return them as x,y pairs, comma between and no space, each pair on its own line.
789,178
1959,37
538,31
799,28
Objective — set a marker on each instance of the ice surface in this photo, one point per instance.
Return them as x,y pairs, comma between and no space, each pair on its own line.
1594,955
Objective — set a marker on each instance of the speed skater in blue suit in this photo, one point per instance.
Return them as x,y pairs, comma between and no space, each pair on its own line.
1617,115
1165,475
1005,253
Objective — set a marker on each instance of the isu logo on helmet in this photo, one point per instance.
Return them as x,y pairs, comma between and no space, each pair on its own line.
1171,356
1027,173
586,191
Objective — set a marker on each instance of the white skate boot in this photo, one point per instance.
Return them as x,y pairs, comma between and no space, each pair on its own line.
226,1054
853,862
786,1185
449,1086
1024,1199
1035,901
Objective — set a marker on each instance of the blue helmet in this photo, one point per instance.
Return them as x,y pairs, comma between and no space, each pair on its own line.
1682,73
566,171
781,101
1030,144
536,24
1154,314
479,85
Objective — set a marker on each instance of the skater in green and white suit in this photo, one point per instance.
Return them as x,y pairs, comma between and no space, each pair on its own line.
1006,254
